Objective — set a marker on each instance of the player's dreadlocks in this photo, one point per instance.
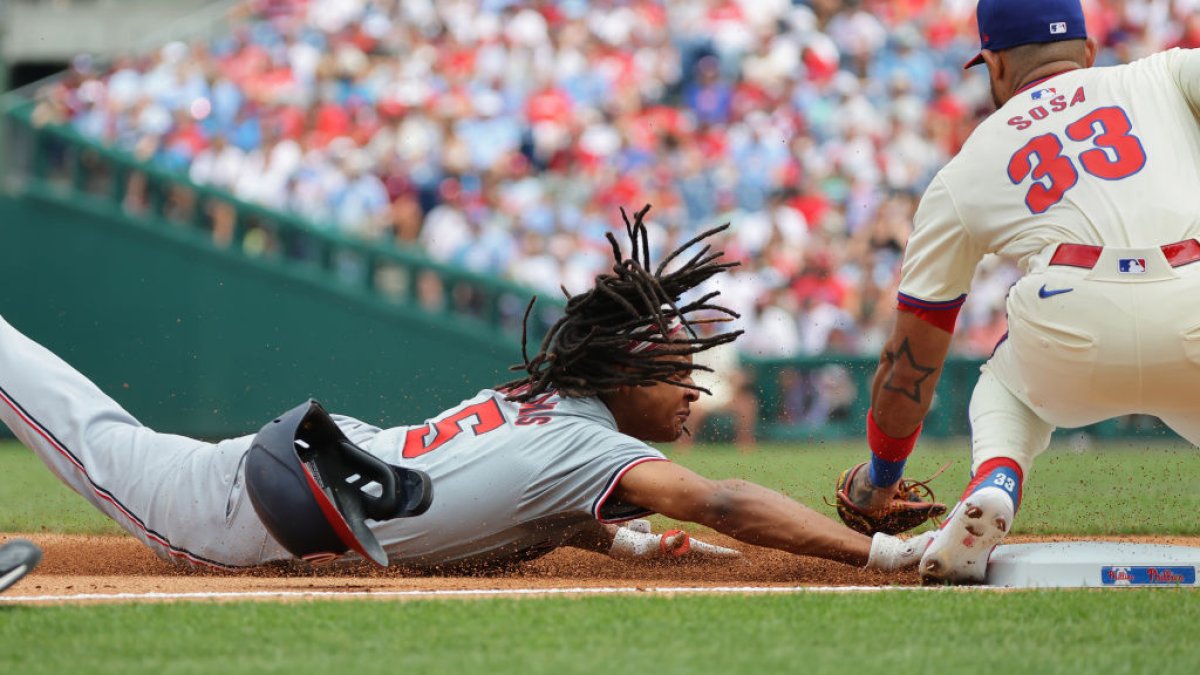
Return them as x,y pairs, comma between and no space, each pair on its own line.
588,351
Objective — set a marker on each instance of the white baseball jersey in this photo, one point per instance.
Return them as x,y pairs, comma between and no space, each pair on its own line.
1106,157
510,481
1065,160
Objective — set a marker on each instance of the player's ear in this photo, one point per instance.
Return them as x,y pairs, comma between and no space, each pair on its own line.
1090,50
996,64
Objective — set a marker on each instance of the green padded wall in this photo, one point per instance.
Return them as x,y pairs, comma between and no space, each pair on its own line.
195,340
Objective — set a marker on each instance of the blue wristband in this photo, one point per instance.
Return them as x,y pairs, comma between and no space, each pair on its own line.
884,473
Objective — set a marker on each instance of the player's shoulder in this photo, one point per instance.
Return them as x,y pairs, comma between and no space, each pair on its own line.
592,413
580,427
1040,104
1181,66
1168,58
551,412
549,406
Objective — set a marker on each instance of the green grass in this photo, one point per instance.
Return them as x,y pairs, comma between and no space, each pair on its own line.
33,500
1136,631
1117,489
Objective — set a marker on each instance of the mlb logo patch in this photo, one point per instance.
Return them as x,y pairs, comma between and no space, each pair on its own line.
1042,94
1132,265
1058,28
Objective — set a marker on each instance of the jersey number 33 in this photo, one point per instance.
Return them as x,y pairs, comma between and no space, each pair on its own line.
1115,154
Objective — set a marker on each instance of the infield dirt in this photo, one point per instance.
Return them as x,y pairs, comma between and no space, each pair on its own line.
78,565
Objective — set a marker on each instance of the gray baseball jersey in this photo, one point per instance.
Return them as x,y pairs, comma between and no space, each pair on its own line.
511,481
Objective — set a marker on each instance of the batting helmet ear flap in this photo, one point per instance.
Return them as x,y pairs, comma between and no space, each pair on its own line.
314,490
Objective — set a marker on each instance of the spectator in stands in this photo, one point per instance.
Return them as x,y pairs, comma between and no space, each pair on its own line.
811,125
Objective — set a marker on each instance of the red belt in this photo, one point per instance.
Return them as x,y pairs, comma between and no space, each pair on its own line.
1083,255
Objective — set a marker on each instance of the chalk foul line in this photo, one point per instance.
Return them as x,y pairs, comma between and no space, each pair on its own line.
466,593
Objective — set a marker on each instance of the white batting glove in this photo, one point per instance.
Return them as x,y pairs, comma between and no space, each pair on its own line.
632,543
890,553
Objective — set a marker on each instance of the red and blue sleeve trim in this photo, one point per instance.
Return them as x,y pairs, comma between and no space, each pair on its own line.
942,314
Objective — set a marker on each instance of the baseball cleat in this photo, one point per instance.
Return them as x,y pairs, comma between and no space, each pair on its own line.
959,555
17,558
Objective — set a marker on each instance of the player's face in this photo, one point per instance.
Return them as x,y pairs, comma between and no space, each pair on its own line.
656,412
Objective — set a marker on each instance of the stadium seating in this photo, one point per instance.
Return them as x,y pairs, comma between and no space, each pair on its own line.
504,139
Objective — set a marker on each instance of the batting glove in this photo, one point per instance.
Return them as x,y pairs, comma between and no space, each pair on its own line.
890,553
637,542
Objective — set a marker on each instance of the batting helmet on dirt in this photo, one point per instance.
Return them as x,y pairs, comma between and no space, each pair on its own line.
314,489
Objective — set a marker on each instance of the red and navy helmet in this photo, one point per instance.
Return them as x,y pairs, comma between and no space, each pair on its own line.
309,486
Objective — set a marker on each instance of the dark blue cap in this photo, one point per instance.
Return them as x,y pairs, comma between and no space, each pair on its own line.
1011,23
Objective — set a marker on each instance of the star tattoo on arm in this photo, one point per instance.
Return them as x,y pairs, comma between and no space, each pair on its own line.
903,358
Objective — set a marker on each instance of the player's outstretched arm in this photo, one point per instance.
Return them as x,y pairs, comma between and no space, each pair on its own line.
636,540
756,515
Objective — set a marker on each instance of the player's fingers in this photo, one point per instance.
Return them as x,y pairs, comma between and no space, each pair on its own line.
713,551
934,508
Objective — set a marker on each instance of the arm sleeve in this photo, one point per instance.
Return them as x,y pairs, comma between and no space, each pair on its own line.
584,479
941,256
1184,65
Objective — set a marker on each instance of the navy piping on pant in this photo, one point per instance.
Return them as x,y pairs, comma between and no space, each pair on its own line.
104,494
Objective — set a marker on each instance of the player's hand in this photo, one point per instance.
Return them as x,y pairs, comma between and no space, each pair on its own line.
636,541
868,509
890,553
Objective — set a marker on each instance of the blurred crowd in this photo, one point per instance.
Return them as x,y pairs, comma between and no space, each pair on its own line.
504,135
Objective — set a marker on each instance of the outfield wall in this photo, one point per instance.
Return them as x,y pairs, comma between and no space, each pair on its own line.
194,340
211,331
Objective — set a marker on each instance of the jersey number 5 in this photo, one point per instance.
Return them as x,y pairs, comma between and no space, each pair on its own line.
487,418
1117,154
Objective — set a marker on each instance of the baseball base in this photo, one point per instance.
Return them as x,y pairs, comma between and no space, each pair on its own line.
1092,564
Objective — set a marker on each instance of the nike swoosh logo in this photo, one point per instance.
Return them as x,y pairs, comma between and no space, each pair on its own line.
1043,292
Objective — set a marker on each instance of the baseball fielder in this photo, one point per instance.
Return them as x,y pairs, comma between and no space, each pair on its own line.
556,458
1087,178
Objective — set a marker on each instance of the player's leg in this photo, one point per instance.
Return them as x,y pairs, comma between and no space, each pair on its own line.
1172,377
177,495
1006,436
745,410
1187,426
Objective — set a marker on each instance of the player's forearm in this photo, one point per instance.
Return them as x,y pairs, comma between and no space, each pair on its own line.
756,515
892,405
908,373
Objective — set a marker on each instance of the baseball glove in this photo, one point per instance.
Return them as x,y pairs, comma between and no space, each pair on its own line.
913,504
